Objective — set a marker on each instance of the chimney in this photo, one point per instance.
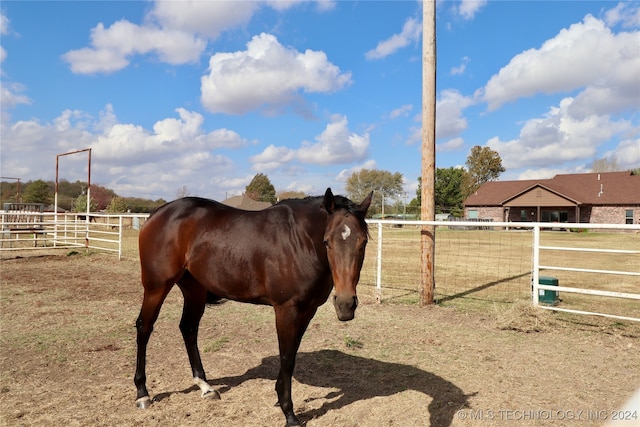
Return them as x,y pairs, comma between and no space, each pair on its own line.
601,189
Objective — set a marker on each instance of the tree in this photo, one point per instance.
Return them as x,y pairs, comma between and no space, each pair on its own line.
261,189
38,192
81,204
182,192
605,164
117,205
417,201
387,185
483,165
448,190
101,196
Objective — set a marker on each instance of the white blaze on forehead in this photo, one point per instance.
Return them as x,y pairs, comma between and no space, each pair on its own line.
346,232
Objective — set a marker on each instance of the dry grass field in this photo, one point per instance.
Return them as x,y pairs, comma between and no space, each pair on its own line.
67,349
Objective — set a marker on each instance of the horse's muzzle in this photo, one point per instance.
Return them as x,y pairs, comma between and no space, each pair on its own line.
345,307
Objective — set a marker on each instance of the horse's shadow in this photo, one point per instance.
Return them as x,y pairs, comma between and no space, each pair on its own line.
359,378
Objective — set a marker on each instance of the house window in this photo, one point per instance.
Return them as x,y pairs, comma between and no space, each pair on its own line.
523,215
628,216
473,214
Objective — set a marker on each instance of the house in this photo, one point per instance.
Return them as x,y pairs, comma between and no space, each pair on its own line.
246,203
597,198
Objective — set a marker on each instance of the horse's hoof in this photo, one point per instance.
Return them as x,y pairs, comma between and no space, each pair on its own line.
143,402
293,422
211,394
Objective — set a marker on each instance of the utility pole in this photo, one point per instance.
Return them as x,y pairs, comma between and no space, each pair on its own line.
427,209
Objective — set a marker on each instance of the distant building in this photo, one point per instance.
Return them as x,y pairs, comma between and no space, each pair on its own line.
597,198
246,203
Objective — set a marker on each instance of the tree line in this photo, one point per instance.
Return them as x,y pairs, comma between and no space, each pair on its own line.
72,196
452,186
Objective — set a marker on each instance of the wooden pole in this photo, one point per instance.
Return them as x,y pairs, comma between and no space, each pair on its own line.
427,209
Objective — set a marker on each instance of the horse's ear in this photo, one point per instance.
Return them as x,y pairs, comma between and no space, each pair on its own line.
364,205
329,203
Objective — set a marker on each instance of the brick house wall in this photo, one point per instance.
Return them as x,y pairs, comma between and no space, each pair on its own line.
609,214
588,214
486,212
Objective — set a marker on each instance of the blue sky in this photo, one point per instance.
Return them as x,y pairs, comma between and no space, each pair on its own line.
206,94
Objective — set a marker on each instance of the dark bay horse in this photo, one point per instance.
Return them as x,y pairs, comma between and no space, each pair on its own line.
289,256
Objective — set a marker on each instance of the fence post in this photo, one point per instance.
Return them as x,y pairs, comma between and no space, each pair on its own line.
536,265
119,237
379,266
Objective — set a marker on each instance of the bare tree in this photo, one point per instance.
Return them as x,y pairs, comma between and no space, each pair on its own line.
182,192
605,164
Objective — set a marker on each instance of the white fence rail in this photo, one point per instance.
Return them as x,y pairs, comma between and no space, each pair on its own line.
536,266
105,232
37,231
537,287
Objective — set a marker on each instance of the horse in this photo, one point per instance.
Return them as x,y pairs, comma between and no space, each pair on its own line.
289,256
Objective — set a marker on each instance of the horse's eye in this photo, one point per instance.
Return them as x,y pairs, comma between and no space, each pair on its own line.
326,243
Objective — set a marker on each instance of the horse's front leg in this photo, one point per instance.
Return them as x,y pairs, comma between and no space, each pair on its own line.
291,324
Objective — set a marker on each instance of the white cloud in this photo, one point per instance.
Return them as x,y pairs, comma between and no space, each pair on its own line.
4,29
346,173
451,145
625,13
627,153
541,173
411,31
585,54
176,32
468,8
130,143
449,119
10,95
112,47
128,158
4,23
266,74
557,137
336,144
208,18
403,111
271,158
461,68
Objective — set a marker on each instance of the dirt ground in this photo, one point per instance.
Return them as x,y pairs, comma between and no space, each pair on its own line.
68,349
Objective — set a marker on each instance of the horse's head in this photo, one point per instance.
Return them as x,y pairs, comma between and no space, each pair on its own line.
345,238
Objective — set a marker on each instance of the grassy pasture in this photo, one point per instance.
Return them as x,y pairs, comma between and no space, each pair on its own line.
479,267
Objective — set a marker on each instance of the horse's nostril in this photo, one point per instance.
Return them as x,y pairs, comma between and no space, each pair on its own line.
355,302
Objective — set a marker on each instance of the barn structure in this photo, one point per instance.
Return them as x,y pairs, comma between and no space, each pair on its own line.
597,198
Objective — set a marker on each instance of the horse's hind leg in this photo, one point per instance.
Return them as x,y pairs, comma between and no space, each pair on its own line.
194,302
149,312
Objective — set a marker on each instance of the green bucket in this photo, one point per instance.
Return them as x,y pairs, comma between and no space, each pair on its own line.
546,296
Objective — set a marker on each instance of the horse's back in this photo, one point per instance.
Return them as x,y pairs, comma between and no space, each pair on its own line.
236,254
